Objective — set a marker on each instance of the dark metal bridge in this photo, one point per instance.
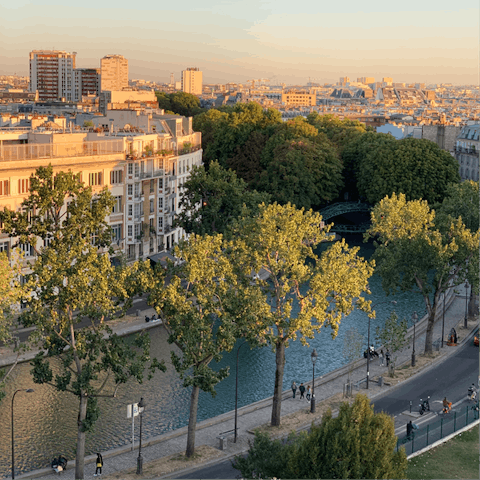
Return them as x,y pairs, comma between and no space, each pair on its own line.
340,209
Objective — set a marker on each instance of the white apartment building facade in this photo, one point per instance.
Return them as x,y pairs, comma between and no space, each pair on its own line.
192,81
467,148
52,74
114,72
144,172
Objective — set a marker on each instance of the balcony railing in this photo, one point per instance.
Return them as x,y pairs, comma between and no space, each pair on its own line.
468,150
59,150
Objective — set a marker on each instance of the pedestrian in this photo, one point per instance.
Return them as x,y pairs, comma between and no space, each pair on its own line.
308,393
381,356
409,430
387,357
302,391
294,388
99,463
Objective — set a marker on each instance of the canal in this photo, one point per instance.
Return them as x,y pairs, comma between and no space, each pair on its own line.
45,421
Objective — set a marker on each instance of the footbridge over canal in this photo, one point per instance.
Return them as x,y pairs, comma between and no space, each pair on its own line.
337,209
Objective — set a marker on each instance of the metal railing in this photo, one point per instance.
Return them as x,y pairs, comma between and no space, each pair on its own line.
445,425
58,150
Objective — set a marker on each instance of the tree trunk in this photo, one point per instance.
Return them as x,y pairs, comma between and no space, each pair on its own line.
429,332
277,393
471,305
192,422
80,457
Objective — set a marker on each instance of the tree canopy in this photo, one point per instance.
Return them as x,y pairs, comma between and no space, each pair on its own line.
281,241
411,246
181,103
358,443
211,201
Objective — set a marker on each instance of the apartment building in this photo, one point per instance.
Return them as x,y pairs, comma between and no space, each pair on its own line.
52,74
114,72
86,82
467,150
145,172
298,98
192,81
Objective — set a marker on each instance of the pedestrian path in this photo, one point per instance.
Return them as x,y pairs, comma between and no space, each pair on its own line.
259,413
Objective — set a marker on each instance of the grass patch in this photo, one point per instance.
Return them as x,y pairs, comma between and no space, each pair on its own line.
457,458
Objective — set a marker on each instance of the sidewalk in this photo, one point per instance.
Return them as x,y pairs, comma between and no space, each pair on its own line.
254,415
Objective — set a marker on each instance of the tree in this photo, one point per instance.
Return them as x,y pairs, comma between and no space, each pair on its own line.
418,168
411,247
72,279
10,292
180,103
358,443
393,337
212,200
205,306
88,124
352,348
281,240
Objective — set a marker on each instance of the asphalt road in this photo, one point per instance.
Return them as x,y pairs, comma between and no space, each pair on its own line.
451,378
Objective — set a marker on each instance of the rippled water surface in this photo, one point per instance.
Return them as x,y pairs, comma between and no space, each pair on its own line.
45,421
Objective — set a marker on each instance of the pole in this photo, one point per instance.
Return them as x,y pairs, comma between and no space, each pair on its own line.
413,352
140,458
466,305
236,395
368,352
443,319
133,431
13,441
312,403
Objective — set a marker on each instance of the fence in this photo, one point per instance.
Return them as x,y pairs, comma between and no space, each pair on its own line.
59,150
445,425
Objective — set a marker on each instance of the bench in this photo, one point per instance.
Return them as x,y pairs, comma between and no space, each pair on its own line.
222,437
357,385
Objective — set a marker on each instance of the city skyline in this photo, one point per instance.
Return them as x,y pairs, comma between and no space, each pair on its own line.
425,41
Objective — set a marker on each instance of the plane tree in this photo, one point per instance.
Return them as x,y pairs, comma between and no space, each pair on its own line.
73,279
281,241
414,250
206,303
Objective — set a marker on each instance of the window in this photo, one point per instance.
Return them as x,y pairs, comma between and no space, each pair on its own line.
118,207
4,188
137,230
116,232
130,189
137,209
137,169
23,185
137,189
160,183
152,205
160,203
47,242
160,222
130,230
130,210
152,186
26,249
130,168
95,178
116,176
140,250
151,223
4,247
152,245
131,252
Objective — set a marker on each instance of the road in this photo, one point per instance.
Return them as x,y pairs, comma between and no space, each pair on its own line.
451,378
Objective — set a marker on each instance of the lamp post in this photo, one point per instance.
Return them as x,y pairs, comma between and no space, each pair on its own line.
236,394
313,356
466,305
414,318
443,319
30,390
394,302
141,408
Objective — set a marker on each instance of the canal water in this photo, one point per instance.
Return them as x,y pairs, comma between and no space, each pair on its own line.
45,421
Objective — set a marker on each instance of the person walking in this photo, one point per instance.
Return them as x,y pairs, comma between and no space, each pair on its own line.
294,388
381,357
409,430
387,358
308,393
302,391
99,463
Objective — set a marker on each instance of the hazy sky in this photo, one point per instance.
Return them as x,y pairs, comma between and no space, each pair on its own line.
287,41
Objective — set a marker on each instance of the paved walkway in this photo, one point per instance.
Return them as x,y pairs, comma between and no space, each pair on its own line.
259,413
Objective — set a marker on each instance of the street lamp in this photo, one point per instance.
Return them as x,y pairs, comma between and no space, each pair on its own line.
466,304
141,408
313,356
414,318
30,390
236,394
394,302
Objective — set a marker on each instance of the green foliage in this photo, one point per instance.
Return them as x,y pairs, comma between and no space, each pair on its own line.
281,241
420,169
358,443
180,103
410,247
222,198
73,279
393,336
88,124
